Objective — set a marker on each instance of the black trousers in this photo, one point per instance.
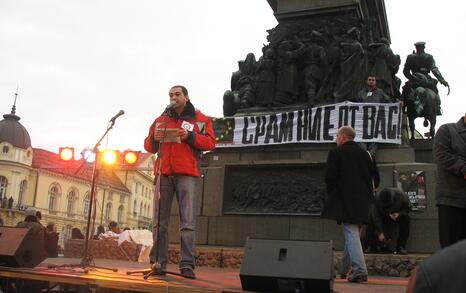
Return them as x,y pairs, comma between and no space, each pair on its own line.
397,231
451,224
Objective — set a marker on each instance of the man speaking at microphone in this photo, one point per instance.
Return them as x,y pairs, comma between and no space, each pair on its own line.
180,172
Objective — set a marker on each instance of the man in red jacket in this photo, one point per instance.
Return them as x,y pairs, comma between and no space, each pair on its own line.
185,133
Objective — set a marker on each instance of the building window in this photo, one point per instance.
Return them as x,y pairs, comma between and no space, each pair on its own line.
140,210
86,203
135,209
22,191
110,195
122,198
54,193
108,211
121,211
3,186
71,202
6,149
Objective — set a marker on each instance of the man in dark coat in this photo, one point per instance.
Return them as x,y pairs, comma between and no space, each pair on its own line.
444,271
388,228
350,179
450,156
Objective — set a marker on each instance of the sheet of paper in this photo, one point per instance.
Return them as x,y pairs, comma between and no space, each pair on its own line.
170,133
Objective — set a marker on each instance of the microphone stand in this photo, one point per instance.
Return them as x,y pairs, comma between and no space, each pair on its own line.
86,261
156,269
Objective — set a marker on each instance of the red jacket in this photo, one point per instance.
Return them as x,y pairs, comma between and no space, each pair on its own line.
182,158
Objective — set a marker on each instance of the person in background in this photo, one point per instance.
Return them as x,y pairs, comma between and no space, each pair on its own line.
371,93
388,228
113,226
51,240
100,230
351,176
39,216
450,156
76,233
444,271
31,222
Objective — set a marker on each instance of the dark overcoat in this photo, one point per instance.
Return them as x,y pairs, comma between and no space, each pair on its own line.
450,156
349,179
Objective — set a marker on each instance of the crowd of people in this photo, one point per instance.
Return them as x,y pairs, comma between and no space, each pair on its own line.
48,237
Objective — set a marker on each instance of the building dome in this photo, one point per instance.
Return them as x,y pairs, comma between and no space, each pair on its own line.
13,132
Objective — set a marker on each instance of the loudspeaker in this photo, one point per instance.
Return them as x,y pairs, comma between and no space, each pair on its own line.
20,247
287,266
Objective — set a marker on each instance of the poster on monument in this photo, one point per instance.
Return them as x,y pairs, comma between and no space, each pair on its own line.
413,183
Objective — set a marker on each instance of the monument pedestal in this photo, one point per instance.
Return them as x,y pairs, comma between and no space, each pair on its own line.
276,192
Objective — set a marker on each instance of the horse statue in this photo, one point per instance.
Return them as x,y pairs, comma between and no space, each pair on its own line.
422,102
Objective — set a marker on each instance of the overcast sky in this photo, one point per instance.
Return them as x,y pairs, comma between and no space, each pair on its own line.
78,62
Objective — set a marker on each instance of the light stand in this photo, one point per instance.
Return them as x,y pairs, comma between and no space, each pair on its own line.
87,259
156,269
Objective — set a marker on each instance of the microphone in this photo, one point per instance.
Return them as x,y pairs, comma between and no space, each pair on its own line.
171,105
117,115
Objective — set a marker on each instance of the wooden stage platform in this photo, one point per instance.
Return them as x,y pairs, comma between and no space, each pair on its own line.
208,279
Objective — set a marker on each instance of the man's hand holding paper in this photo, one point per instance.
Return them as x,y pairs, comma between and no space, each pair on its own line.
168,134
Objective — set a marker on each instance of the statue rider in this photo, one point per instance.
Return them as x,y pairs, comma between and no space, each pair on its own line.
417,68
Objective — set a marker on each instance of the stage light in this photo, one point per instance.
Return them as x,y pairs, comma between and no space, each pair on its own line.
130,157
88,155
109,157
66,153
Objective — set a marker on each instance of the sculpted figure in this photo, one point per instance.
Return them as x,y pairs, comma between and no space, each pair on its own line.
287,79
241,94
351,67
417,68
245,84
231,99
315,67
265,84
384,65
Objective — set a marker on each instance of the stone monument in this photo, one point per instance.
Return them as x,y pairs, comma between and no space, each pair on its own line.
319,53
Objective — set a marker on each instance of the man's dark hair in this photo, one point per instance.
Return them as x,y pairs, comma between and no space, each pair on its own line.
183,89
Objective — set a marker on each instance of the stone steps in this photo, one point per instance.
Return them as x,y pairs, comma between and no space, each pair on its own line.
392,265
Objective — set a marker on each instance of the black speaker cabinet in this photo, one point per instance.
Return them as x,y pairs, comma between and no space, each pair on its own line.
19,247
287,266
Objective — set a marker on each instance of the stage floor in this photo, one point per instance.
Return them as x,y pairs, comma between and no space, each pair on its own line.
208,279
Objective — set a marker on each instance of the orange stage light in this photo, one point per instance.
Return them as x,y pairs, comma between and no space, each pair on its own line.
109,157
66,153
130,157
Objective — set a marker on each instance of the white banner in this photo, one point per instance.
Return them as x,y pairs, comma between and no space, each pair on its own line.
379,123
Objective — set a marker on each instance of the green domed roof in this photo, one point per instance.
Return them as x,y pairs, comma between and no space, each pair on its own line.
14,132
